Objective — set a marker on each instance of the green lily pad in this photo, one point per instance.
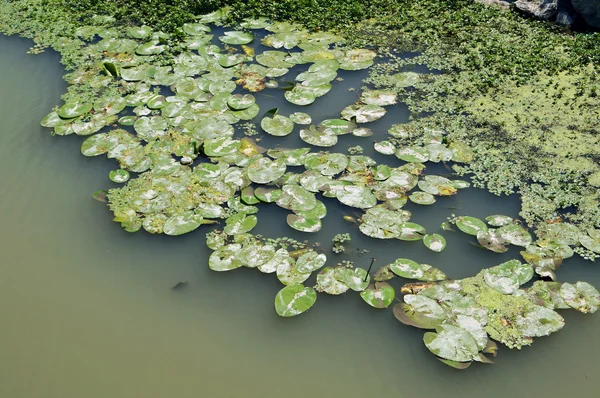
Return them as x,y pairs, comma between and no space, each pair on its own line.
240,101
240,224
255,254
225,258
310,261
327,283
437,185
356,279
119,176
591,241
267,195
300,118
498,220
385,147
538,321
72,110
264,170
422,198
378,295
581,296
140,32
356,196
470,225
237,37
288,274
410,269
420,311
300,96
303,224
413,154
507,277
404,79
328,164
150,48
411,231
379,97
277,125
318,138
363,113
515,235
434,242
182,223
294,299
273,59
452,343
492,240
296,198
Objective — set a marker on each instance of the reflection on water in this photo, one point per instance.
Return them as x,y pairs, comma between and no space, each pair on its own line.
87,310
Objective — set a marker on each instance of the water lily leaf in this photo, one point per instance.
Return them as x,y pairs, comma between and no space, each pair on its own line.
230,60
247,196
240,101
221,146
296,198
328,164
434,242
422,198
254,254
404,79
258,23
150,48
581,296
420,311
547,294
299,96
411,231
515,235
310,261
379,97
303,224
507,277
492,240
470,225
140,32
437,185
452,343
74,109
100,195
438,153
410,269
267,195
111,69
498,220
281,256
294,299
300,118
277,125
225,258
357,59
318,212
363,113
413,154
318,138
543,266
356,196
356,279
327,283
264,170
455,364
475,328
195,29
237,37
273,59
119,176
150,128
182,223
538,321
316,78
591,241
240,224
288,274
378,295
385,147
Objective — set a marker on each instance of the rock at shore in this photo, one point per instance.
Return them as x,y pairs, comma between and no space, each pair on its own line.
541,9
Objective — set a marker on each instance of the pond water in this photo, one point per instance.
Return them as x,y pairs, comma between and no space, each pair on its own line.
87,310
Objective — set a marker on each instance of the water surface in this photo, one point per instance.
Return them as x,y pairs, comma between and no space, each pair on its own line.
87,310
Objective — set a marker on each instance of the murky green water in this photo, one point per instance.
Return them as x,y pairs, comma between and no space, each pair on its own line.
86,310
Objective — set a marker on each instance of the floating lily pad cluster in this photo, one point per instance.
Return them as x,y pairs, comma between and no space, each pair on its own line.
166,108
468,315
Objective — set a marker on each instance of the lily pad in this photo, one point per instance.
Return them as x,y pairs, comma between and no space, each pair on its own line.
74,109
515,235
357,196
318,138
581,296
225,258
379,97
363,113
378,295
470,225
182,223
277,125
452,343
239,102
434,242
294,299
300,118
492,240
410,269
310,261
327,283
303,224
498,220
507,277
237,37
420,311
422,198
296,198
356,279
240,224
264,170
413,154
119,176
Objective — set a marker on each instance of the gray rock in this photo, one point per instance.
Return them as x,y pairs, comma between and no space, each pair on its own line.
564,19
498,3
589,11
541,9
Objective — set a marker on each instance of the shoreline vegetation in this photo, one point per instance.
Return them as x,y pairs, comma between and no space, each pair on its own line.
511,102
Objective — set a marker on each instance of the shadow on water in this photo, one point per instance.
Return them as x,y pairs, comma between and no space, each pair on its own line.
84,303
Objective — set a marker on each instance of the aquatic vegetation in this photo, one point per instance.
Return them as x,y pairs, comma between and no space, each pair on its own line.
168,104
